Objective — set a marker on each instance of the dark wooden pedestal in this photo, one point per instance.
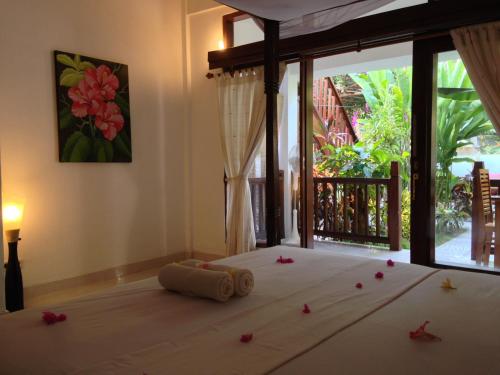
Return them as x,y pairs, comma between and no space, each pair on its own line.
13,281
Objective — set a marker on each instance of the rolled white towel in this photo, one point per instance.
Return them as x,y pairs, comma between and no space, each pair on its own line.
243,278
197,281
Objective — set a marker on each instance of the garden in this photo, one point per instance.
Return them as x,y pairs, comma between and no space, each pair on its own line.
379,106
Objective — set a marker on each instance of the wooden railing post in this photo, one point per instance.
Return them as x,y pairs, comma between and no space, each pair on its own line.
394,208
476,211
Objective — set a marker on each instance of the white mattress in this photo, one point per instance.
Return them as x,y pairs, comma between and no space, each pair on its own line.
140,328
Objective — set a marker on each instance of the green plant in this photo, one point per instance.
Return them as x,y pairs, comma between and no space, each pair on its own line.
326,134
460,117
357,160
461,196
449,220
385,124
405,214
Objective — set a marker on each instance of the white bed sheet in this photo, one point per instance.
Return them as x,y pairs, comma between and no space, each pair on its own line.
141,328
466,319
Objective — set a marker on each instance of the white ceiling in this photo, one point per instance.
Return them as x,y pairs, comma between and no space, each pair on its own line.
388,57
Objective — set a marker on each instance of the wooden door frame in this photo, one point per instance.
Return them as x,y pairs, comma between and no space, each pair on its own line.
423,141
306,152
271,87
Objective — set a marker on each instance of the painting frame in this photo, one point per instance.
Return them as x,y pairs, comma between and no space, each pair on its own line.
93,109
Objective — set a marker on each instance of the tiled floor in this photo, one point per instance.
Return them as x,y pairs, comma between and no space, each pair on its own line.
457,250
76,292
364,251
454,252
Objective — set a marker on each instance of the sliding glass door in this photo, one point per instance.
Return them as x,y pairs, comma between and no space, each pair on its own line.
455,164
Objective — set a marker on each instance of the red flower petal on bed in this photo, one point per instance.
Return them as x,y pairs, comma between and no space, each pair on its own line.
49,317
359,285
246,337
205,266
390,263
421,334
61,317
306,309
379,275
284,260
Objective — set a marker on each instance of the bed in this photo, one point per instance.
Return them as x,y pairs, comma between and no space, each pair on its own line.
139,328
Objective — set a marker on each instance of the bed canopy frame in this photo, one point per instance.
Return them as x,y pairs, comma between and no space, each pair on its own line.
419,24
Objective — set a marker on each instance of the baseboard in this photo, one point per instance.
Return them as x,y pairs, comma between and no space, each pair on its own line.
205,256
114,273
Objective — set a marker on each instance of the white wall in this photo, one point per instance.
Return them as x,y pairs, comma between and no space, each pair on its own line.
194,6
81,218
207,165
246,31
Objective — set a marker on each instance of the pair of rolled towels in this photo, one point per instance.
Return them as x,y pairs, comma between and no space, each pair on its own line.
214,281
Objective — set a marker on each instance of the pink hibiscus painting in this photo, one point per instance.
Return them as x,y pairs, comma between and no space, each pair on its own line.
93,109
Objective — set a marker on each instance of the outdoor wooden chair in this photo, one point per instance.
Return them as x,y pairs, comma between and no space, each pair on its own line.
483,216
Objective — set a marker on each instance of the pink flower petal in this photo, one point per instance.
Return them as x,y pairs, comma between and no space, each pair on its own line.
284,260
306,309
246,337
390,263
49,317
421,334
359,285
379,275
61,317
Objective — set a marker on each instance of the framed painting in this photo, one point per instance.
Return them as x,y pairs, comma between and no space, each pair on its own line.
93,109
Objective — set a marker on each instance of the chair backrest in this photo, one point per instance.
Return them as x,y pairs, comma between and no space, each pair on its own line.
484,190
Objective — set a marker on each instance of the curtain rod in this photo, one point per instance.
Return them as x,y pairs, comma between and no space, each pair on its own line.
359,46
231,71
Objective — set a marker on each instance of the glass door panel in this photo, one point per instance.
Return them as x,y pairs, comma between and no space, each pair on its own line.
465,144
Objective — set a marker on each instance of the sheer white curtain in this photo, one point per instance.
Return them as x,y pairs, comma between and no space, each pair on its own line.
242,106
479,48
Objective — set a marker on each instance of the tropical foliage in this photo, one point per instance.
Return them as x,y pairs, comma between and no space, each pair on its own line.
384,130
449,220
357,160
460,117
385,126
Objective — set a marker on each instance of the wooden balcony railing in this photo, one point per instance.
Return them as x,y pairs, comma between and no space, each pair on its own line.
359,209
258,195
